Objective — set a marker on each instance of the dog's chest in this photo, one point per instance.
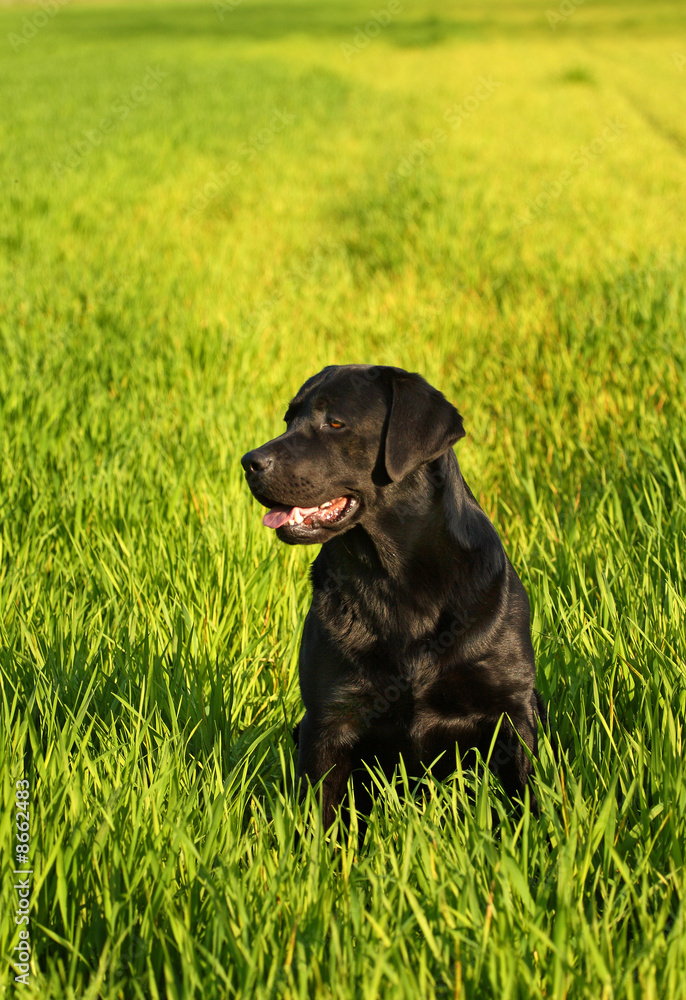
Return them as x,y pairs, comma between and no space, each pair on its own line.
379,667
371,619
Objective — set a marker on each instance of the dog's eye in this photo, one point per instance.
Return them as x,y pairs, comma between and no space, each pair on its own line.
336,424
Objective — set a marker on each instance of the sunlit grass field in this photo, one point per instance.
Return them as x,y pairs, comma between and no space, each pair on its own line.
201,206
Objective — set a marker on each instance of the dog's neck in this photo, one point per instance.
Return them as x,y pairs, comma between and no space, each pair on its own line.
415,523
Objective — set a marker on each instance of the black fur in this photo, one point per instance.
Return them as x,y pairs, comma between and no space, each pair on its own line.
418,638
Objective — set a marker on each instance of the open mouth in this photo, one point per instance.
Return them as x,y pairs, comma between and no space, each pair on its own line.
328,513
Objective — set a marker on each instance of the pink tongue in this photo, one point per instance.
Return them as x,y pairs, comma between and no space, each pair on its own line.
280,515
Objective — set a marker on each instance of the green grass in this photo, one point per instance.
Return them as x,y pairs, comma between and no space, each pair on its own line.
149,625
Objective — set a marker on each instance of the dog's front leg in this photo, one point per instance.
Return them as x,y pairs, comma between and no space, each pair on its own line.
323,752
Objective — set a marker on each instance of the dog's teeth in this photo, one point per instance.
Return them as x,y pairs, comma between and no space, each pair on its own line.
327,504
299,518
291,522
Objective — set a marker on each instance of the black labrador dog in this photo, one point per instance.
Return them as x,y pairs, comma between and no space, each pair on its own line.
418,638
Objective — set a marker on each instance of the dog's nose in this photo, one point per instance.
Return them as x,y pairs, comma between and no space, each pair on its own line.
254,461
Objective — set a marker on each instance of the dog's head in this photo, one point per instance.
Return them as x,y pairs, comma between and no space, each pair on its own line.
352,431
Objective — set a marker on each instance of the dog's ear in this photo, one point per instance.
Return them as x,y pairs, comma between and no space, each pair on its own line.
422,424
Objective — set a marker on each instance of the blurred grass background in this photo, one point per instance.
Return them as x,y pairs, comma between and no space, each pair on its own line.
166,282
